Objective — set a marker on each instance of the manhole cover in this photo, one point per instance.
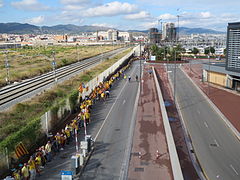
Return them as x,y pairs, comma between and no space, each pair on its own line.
117,129
172,119
167,103
139,169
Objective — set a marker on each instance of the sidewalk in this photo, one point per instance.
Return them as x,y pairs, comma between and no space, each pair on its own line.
149,155
227,102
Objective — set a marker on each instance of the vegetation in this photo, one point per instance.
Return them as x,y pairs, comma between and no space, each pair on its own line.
168,53
31,61
24,118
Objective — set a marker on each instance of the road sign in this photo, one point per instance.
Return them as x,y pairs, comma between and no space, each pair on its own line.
53,63
66,175
153,58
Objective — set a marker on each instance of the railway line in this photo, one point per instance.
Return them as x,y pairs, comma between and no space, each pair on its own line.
12,94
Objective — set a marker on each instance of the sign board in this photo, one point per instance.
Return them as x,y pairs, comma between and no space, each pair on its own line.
83,144
153,58
66,175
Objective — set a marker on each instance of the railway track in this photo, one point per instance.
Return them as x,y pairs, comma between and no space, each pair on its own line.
9,94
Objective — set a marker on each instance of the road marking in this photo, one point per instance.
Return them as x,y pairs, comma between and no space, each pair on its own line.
216,142
124,101
205,123
112,107
198,112
233,169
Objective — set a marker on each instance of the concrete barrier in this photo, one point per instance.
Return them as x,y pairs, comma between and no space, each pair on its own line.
176,168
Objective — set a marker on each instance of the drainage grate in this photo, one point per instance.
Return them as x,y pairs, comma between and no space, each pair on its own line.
213,145
139,169
117,129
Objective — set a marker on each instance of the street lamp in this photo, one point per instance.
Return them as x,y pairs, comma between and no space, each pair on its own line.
175,87
7,68
54,66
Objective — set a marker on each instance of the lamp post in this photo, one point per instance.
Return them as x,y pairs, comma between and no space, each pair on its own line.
7,68
208,77
54,66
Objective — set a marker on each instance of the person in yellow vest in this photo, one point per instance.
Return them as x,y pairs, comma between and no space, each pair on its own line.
68,134
25,172
38,163
32,168
48,148
103,96
16,175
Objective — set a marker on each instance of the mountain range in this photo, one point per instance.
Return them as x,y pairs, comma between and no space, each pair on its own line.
18,28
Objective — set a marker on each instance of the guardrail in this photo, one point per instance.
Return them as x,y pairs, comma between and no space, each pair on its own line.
176,168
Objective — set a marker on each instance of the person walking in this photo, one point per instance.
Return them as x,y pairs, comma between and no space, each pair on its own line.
129,78
25,172
136,77
32,168
48,148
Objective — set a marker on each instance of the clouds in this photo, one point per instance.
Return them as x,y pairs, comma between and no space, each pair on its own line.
111,9
74,1
138,16
36,20
32,5
1,3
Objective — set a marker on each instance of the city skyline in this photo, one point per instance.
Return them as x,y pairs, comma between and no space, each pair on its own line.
120,14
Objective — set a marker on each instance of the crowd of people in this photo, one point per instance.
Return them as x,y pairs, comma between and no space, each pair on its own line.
56,143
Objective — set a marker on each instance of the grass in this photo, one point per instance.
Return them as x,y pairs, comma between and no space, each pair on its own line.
26,63
24,118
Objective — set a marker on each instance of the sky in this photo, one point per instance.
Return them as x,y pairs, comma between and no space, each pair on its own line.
122,14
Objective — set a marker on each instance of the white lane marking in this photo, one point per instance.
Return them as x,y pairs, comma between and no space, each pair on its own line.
124,101
112,107
233,169
216,142
205,123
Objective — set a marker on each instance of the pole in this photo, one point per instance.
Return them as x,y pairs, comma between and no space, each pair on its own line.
77,53
7,68
175,79
140,61
208,74
54,66
7,159
46,117
76,140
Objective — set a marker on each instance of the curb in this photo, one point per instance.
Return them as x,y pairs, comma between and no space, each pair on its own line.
227,122
176,168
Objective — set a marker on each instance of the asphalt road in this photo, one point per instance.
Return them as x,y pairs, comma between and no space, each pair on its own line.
215,145
108,161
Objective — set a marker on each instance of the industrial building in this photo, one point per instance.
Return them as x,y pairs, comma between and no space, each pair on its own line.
227,74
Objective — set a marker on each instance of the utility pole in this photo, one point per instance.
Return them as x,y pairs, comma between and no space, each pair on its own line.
77,53
175,78
178,16
54,66
140,62
7,68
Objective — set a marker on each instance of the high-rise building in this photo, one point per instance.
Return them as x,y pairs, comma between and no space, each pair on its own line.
233,47
169,32
154,36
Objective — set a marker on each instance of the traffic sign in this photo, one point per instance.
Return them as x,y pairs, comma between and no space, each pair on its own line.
66,175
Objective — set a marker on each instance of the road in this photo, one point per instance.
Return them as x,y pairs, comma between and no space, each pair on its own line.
215,145
112,142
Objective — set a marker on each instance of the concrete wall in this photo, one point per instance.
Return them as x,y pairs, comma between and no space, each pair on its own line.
217,78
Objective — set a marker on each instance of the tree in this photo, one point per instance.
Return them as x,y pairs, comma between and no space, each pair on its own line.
225,52
195,51
212,50
206,51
